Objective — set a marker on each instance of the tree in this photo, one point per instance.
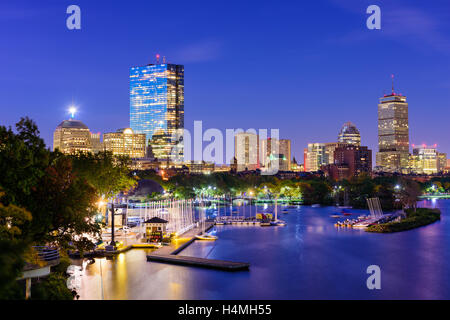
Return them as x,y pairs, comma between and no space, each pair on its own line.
64,208
13,247
107,173
23,160
409,193
275,187
44,201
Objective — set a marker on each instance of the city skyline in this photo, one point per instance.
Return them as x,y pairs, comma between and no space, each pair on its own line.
220,151
353,77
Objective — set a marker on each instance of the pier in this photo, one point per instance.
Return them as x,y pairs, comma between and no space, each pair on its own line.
169,254
199,262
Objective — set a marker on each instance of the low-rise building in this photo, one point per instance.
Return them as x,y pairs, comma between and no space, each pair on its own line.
126,143
72,136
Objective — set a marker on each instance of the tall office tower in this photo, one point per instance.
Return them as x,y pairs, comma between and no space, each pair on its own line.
275,151
72,136
157,107
246,151
349,134
393,133
315,157
125,142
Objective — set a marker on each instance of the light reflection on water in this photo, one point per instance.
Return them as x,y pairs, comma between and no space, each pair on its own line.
307,259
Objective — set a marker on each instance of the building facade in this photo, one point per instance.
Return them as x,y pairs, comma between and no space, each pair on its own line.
357,158
349,134
349,161
427,160
442,161
246,151
72,136
314,157
125,142
330,147
157,107
96,142
393,134
276,153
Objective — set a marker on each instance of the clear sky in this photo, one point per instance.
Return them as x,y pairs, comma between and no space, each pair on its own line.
305,67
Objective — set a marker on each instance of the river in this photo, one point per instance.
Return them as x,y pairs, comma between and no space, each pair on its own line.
307,259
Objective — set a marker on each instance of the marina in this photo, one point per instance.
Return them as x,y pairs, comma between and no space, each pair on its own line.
286,263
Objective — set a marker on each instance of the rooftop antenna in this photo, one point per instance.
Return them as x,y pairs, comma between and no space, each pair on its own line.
164,60
157,58
392,76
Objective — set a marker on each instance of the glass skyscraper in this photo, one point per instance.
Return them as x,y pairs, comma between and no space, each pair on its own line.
157,107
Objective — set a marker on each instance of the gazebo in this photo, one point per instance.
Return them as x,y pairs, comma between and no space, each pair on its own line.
155,228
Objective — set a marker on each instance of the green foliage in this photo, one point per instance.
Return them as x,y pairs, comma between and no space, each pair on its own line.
63,207
52,287
409,193
107,173
23,159
12,247
420,217
44,201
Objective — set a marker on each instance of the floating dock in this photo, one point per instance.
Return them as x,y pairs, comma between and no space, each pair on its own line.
168,254
199,262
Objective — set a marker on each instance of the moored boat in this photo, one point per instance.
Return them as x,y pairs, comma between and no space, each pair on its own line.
206,237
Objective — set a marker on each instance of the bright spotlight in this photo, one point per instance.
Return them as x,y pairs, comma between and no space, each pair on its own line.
72,111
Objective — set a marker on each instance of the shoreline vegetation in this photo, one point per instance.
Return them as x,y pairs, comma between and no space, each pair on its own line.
421,217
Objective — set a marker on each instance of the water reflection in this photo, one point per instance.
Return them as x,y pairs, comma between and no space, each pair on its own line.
307,259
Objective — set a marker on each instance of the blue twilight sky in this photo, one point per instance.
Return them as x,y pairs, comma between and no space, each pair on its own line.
305,67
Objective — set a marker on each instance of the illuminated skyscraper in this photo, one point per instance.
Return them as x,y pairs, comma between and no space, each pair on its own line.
393,133
157,106
315,156
349,134
276,150
246,151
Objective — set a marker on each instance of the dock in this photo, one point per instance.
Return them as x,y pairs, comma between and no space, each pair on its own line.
169,254
199,262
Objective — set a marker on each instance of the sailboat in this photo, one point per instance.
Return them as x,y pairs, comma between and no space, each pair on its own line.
205,236
218,221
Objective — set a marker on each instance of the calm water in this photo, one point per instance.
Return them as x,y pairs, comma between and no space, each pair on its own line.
307,259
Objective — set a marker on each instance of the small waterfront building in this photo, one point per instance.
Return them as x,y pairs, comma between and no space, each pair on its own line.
155,228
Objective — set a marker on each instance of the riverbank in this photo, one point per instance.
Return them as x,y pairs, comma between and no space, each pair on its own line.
421,217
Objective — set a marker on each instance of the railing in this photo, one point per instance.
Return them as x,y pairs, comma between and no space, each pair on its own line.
46,253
